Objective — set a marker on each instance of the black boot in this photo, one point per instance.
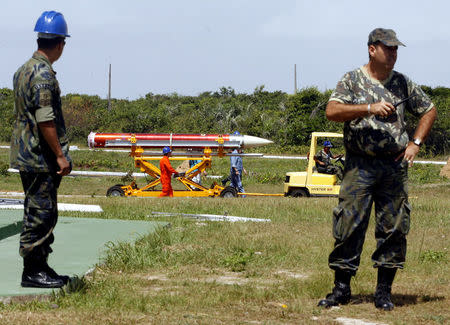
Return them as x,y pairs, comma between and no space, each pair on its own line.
341,292
36,276
383,291
64,278
45,252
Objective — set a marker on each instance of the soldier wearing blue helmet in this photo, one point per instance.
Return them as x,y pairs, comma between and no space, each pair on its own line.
40,149
371,101
323,161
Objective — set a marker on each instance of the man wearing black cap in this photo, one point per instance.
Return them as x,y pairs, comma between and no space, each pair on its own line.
371,101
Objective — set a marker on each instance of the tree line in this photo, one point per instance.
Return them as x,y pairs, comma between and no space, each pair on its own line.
286,119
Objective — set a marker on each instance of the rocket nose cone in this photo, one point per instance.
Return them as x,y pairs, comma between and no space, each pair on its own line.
251,141
91,140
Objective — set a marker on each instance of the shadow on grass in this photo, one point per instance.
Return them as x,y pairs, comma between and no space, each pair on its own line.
397,299
75,284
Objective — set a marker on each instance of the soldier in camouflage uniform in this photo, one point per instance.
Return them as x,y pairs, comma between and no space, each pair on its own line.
323,161
378,154
40,150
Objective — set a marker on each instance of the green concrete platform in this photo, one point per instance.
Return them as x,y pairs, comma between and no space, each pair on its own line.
79,245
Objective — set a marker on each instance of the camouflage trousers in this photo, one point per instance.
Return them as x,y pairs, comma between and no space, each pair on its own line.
40,213
366,181
331,169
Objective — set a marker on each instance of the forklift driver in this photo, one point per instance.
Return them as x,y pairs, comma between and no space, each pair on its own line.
323,161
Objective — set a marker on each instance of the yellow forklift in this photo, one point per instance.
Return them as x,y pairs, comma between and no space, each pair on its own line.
311,182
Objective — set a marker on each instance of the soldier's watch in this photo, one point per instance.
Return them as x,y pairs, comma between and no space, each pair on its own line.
417,142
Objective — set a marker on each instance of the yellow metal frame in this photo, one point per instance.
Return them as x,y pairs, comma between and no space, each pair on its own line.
193,189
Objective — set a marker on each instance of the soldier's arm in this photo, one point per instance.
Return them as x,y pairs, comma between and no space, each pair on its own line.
422,131
317,160
340,112
48,130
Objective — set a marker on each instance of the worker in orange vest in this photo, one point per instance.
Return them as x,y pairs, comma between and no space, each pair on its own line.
166,173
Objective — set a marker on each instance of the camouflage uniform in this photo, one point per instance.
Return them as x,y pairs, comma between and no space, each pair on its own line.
371,173
329,168
37,99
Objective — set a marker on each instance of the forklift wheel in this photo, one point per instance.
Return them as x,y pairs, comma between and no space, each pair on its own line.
228,191
115,190
299,192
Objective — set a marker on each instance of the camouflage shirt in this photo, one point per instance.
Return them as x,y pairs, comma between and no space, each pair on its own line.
36,99
324,157
374,135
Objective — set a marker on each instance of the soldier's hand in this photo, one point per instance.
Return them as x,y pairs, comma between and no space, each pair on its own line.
409,154
64,166
382,109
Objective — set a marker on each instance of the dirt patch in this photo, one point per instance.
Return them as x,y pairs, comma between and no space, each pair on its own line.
445,171
290,274
227,278
178,248
155,277
354,321
24,299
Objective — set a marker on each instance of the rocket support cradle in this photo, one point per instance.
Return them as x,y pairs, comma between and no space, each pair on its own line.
195,145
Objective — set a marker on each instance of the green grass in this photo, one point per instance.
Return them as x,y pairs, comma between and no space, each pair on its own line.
199,272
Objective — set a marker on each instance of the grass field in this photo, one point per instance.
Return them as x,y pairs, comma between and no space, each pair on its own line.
199,272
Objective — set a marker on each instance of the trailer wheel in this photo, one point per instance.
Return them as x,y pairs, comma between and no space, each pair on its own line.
115,190
299,192
228,191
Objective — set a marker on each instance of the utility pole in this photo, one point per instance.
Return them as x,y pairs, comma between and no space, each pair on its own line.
109,89
295,78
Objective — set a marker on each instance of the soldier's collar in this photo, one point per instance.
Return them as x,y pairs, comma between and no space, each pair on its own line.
383,82
39,56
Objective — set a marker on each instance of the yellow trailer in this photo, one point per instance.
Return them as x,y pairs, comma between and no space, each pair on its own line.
192,189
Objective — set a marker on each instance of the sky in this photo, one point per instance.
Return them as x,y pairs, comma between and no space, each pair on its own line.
189,47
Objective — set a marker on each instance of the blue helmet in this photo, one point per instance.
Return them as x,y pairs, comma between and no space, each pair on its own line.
327,144
51,24
236,133
166,150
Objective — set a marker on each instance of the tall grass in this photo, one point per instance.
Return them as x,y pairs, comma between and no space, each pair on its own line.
200,272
